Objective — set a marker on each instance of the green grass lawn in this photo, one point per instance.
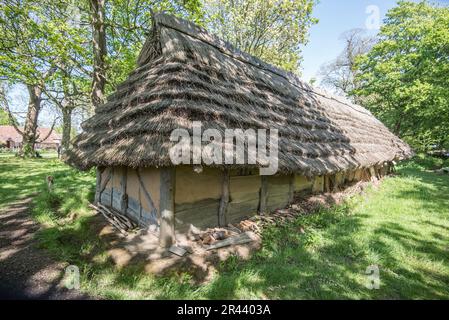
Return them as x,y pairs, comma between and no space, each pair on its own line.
402,227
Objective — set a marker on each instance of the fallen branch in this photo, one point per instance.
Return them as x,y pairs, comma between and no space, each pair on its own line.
118,220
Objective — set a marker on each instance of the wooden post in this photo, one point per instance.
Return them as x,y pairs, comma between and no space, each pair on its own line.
372,174
291,189
124,198
167,207
222,217
263,195
318,184
98,186
327,183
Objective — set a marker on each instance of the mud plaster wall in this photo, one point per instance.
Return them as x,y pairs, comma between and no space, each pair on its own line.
151,178
303,183
142,209
244,197
197,197
278,190
318,184
138,207
116,187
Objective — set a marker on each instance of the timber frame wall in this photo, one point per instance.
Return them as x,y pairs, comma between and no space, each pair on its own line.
169,200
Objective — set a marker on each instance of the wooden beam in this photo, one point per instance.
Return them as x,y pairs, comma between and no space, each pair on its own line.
97,186
222,217
372,174
145,192
167,207
104,183
124,198
263,195
291,189
327,183
234,240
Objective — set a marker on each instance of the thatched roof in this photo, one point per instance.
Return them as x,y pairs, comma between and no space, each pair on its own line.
185,74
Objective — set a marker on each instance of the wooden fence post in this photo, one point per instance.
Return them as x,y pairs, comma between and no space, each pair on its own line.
167,207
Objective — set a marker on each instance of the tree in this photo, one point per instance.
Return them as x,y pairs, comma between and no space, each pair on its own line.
339,75
69,88
25,58
405,74
44,48
272,30
119,29
97,9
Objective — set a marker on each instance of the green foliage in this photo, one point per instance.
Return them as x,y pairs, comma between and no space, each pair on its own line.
4,118
405,74
129,22
268,29
34,39
49,43
425,162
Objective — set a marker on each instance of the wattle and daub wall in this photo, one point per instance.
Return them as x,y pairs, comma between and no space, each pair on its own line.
197,196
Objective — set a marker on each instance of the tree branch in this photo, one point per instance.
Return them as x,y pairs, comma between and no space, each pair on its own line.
50,132
4,102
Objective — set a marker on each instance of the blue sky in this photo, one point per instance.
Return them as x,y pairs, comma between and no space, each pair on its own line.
336,17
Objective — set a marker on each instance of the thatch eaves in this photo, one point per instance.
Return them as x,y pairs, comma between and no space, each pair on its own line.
185,74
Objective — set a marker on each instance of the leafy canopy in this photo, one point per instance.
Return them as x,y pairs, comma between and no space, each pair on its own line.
272,30
128,23
405,75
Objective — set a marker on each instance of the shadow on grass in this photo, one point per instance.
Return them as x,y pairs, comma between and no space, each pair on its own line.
290,265
326,261
415,278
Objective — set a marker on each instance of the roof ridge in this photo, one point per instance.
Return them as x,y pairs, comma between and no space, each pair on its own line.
193,30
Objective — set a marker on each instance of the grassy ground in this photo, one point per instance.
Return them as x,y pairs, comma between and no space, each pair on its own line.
402,227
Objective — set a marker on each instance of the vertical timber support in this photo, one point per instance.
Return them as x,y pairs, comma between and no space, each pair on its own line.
222,216
263,194
372,174
98,186
291,188
167,207
327,182
124,198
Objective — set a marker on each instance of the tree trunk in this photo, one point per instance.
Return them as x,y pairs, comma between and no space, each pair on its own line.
99,51
66,127
29,131
397,127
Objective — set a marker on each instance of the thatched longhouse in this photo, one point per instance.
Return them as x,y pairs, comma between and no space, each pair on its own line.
185,74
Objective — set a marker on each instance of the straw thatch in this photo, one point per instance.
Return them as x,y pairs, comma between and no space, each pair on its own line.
185,74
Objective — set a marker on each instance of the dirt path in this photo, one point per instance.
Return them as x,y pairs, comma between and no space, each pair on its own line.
27,272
